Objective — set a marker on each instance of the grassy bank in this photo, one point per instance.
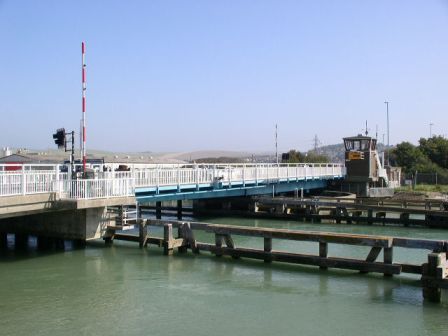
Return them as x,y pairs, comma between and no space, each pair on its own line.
443,188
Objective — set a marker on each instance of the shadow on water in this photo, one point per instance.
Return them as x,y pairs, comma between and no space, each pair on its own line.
29,249
290,279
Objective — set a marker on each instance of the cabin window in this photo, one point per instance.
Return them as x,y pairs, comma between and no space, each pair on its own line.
365,145
361,145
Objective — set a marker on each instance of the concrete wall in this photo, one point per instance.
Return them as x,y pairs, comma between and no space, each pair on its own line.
83,224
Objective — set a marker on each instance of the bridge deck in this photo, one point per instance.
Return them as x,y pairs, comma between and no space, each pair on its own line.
162,182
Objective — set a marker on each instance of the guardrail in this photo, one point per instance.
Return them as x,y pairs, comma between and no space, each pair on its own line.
32,180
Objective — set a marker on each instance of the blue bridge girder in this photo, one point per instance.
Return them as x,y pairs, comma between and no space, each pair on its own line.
234,189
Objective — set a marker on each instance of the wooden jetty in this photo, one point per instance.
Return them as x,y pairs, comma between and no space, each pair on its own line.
434,273
431,214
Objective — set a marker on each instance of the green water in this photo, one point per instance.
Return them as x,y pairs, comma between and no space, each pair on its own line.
124,290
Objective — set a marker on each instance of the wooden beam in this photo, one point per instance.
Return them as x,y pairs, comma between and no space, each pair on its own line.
329,237
127,237
305,259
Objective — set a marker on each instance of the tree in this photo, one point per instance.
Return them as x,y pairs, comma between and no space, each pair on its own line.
436,149
309,157
409,157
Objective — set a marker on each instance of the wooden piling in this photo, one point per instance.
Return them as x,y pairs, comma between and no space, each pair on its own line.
179,209
181,234
433,276
434,273
370,216
143,233
388,258
218,244
267,249
323,252
168,238
158,210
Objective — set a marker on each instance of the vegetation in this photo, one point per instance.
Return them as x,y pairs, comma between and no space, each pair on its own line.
294,156
221,159
429,158
424,188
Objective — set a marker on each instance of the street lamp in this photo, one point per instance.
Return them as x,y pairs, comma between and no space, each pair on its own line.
388,143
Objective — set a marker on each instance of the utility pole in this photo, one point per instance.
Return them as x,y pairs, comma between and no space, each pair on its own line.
388,139
430,130
316,143
83,70
276,144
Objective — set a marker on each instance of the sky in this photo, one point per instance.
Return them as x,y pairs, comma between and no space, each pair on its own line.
202,75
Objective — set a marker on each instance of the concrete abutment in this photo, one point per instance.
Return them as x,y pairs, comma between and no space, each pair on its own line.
79,225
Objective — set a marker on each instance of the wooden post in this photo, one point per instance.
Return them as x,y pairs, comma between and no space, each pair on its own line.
218,244
268,249
435,269
189,235
388,256
179,209
338,211
370,216
109,236
167,239
323,252
181,234
143,233
404,218
345,214
159,210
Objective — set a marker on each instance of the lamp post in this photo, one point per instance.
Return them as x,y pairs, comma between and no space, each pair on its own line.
276,144
388,139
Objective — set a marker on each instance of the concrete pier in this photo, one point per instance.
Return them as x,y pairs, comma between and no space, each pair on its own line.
20,241
45,243
3,240
83,224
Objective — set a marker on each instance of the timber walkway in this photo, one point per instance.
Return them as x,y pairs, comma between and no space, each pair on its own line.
434,273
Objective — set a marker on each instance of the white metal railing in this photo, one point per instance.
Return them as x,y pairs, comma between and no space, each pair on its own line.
32,180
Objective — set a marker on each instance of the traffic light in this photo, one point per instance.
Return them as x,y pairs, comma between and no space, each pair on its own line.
285,157
59,138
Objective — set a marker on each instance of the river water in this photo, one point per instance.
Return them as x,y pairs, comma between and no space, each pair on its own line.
124,290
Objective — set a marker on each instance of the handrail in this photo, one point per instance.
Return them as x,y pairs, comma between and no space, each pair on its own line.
123,183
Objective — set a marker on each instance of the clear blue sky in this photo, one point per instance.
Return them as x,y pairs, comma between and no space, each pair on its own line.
194,75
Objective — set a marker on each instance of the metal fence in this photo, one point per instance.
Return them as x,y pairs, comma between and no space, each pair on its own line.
106,184
430,178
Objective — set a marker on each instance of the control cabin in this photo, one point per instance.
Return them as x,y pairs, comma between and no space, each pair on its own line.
364,169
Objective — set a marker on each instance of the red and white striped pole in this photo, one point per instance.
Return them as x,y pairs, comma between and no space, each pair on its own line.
83,146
